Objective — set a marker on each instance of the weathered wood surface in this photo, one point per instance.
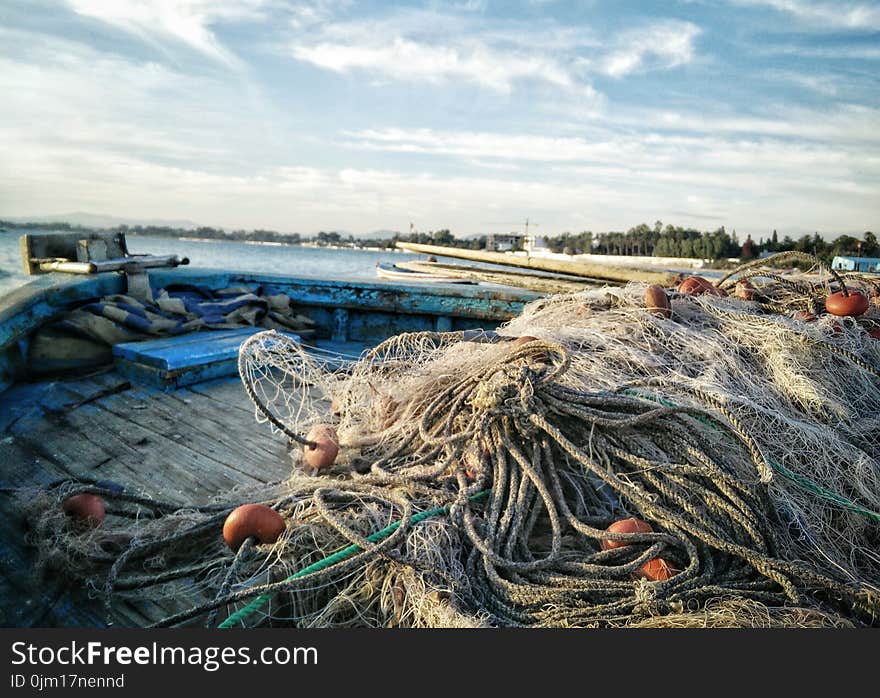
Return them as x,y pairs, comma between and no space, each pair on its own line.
532,282
70,246
188,445
585,269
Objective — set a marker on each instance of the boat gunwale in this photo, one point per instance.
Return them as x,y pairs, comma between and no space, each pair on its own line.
48,295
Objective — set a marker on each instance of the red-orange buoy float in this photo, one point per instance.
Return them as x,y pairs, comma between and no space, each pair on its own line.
631,525
875,333
657,570
85,507
855,303
326,448
257,520
656,301
697,286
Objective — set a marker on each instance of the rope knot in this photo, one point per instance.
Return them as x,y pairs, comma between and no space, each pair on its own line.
646,603
493,392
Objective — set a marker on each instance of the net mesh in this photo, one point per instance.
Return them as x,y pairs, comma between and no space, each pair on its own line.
745,437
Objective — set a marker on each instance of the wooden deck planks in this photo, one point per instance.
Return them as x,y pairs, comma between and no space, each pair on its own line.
187,445
24,601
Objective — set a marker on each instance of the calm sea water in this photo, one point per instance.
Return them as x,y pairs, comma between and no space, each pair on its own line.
356,265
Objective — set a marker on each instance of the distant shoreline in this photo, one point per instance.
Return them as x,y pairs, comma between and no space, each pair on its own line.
275,243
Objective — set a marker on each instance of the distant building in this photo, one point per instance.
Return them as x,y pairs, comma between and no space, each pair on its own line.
871,264
505,242
535,243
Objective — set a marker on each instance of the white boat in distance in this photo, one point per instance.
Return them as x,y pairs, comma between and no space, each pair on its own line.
392,271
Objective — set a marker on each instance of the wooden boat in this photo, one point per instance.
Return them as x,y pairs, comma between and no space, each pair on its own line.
392,272
543,282
168,414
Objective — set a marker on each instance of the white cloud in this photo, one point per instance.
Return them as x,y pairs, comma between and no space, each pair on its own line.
652,154
306,14
486,145
826,15
470,5
185,21
405,60
841,86
865,53
420,46
740,179
64,94
664,45
845,123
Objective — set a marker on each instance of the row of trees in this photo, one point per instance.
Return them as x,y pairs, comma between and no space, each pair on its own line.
843,245
675,241
440,237
657,241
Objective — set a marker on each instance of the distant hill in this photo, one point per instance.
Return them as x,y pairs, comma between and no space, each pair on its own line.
96,220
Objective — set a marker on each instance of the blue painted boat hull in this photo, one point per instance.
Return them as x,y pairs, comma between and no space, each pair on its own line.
342,310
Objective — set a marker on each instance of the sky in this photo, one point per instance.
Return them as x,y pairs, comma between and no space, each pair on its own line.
471,115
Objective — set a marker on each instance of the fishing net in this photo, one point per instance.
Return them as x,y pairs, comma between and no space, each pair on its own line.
479,473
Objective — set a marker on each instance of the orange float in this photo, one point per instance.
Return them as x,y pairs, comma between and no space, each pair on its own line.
657,570
657,302
257,520
325,449
697,286
855,303
631,525
85,507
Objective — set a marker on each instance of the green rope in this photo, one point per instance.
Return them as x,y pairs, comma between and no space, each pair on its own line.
338,556
797,478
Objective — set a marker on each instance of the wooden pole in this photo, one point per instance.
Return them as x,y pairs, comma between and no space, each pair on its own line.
594,271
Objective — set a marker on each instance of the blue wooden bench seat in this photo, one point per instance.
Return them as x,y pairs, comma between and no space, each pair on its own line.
174,362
